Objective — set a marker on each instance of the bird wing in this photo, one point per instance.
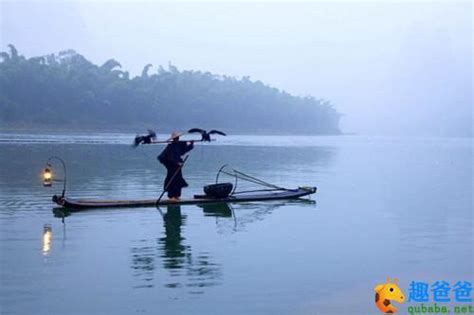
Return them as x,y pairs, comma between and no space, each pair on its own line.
217,132
137,141
193,130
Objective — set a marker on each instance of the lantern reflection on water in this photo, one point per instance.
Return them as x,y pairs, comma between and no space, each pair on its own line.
47,239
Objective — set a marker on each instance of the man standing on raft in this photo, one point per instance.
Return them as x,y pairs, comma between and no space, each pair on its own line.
171,158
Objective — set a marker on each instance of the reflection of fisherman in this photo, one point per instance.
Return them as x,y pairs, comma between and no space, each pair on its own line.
172,160
174,250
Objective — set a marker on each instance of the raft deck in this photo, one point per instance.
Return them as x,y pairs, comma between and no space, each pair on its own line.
71,203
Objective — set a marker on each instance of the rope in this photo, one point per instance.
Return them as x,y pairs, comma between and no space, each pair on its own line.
257,180
251,179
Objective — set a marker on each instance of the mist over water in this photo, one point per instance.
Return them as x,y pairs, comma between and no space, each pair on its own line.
395,189
393,68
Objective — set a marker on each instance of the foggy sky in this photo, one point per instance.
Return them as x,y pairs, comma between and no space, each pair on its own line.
392,68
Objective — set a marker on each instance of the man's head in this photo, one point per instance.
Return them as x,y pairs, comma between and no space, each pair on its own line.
175,136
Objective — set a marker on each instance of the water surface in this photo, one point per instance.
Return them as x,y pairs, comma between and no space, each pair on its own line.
385,207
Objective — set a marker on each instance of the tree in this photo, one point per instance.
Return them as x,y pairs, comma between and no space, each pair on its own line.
67,89
145,70
110,64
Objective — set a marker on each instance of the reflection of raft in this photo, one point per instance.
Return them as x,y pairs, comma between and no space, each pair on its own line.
263,195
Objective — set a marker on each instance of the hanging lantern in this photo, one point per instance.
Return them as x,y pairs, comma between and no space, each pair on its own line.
48,176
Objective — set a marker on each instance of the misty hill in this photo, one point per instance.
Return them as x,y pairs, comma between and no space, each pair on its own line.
66,90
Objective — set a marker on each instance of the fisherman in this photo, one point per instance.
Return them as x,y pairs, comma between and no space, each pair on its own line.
171,158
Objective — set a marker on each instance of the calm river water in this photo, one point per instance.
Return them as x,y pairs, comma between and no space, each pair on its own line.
394,207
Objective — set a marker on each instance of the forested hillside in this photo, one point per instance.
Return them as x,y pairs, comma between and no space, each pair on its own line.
66,90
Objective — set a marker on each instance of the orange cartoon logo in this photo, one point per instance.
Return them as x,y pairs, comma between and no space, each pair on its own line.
384,293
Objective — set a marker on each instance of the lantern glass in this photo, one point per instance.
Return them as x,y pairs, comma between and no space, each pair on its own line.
47,177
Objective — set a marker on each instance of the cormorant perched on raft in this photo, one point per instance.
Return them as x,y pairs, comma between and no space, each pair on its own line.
206,136
145,139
